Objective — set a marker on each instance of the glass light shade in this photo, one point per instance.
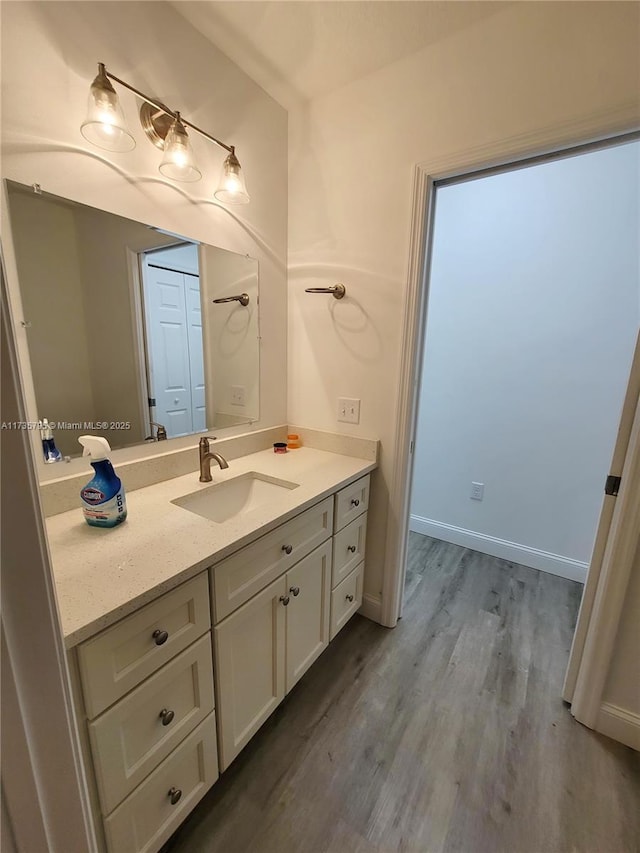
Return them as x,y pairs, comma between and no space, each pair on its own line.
105,124
178,162
231,188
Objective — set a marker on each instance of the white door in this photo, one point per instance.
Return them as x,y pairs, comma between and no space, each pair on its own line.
196,360
308,588
249,667
174,343
609,570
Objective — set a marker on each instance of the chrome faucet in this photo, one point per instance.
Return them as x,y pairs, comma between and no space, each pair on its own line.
206,456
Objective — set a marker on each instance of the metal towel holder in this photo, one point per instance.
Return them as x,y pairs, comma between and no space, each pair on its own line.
243,299
336,290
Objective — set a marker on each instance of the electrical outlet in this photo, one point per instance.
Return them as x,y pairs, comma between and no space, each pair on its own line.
348,410
477,491
238,395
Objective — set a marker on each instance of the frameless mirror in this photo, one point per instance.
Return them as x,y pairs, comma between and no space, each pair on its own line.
133,333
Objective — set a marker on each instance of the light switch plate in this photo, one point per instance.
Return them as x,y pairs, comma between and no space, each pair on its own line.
237,395
477,491
348,410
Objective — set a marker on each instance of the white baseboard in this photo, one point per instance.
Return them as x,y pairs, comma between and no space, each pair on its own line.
554,564
371,607
619,724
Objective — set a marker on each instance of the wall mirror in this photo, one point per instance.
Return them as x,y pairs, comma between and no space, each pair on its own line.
133,332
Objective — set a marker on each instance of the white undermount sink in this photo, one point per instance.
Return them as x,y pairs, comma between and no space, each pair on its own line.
224,501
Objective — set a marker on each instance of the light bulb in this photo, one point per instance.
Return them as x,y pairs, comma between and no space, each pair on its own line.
105,124
232,189
178,162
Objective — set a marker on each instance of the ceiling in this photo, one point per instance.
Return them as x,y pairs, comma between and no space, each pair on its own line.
301,49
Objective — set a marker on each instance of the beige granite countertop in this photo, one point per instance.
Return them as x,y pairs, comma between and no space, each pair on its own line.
102,575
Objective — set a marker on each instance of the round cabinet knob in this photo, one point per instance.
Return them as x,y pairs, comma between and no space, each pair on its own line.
349,597
166,716
295,591
355,502
287,549
351,548
285,599
160,637
176,400
174,795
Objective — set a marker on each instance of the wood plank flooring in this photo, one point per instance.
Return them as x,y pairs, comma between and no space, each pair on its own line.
445,734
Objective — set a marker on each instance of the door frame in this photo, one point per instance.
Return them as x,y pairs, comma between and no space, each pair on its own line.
573,138
135,260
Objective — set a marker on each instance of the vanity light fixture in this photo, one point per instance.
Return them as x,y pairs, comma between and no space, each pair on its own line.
105,126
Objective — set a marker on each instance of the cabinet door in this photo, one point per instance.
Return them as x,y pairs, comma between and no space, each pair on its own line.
308,588
249,671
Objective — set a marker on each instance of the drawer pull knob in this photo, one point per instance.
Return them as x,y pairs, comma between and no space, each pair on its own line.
295,591
174,795
349,597
351,548
287,549
166,716
285,599
355,502
160,637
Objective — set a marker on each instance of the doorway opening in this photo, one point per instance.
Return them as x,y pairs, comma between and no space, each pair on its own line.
172,349
532,317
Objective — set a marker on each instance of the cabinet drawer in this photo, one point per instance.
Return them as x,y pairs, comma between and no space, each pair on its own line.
346,598
348,548
243,574
133,736
146,819
351,502
115,661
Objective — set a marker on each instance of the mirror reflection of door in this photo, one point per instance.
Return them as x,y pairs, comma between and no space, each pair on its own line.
173,328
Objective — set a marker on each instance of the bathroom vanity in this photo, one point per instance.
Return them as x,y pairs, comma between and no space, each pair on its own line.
184,633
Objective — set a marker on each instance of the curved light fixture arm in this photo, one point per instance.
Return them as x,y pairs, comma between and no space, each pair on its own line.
165,109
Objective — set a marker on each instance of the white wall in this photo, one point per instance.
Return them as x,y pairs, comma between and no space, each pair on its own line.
183,257
533,314
532,67
46,243
103,245
232,335
49,57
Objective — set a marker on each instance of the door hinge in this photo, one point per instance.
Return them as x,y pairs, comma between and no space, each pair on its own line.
410,447
152,401
612,485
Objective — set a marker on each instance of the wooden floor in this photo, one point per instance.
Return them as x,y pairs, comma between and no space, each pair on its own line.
445,734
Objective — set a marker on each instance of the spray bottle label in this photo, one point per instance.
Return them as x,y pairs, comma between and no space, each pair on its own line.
106,513
92,496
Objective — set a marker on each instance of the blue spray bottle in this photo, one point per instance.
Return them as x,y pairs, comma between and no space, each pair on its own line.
103,500
49,449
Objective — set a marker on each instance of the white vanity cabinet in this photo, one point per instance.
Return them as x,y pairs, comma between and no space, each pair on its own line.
155,728
266,646
265,641
147,686
350,525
